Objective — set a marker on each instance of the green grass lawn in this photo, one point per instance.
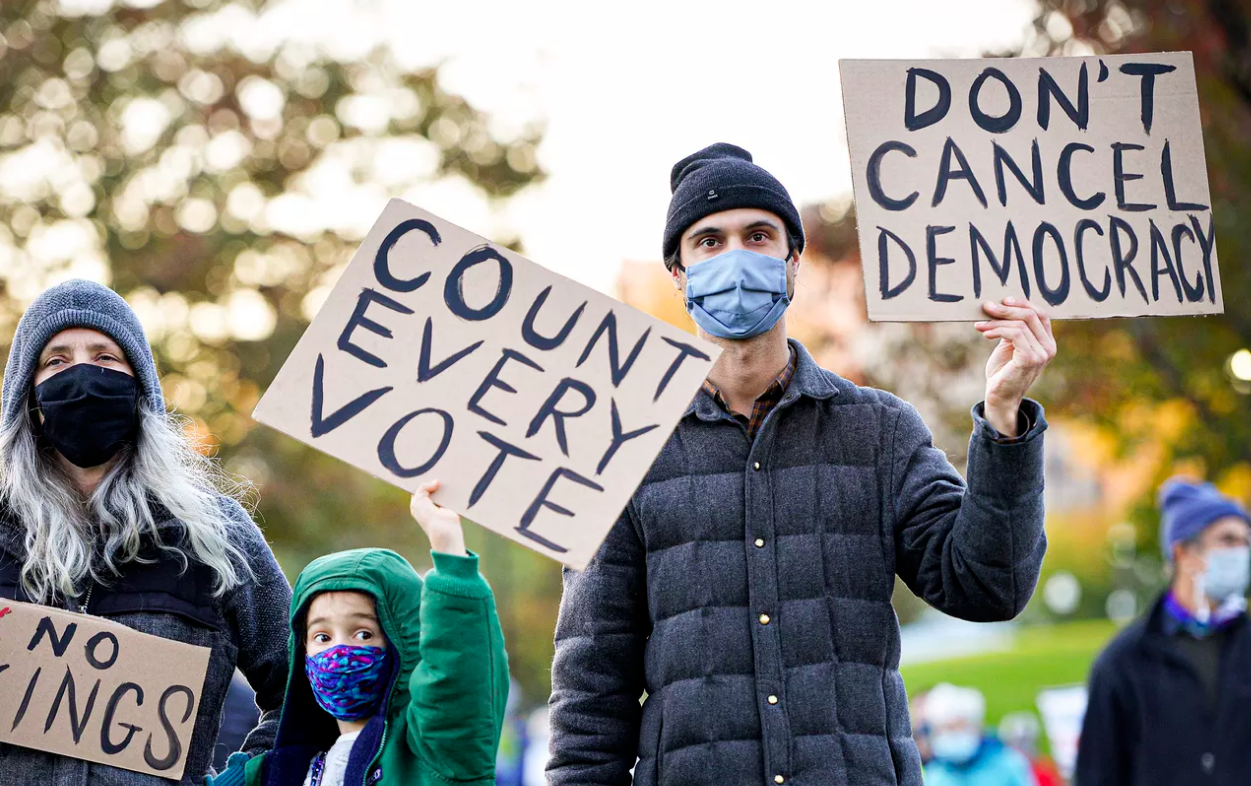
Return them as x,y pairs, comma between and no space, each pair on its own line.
1043,656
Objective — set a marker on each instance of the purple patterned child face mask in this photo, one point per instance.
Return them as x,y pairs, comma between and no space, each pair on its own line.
348,682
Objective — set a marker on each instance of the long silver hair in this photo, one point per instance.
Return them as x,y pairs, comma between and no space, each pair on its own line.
69,538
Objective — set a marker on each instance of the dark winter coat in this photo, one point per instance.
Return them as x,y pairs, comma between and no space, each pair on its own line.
747,588
246,628
1148,720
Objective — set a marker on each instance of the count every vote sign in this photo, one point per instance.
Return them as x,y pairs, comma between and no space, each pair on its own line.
539,404
1078,182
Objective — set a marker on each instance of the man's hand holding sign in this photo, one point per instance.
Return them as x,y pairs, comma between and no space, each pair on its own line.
1026,346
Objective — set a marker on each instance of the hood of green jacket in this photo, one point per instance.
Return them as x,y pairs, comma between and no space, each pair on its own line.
396,590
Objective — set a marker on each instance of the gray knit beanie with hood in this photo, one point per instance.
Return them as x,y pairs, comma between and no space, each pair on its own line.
76,304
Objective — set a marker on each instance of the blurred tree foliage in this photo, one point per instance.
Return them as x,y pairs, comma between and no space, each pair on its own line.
219,177
1166,387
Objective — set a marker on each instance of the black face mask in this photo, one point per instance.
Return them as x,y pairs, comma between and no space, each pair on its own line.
89,412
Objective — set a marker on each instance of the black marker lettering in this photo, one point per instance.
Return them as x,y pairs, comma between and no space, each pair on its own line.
21,708
106,743
883,264
684,351
913,121
505,450
1060,293
619,437
325,425
493,381
1148,72
532,336
175,747
933,261
995,125
427,372
77,723
1207,244
1170,190
454,287
1121,260
382,264
93,650
358,319
1160,253
946,174
548,410
1064,174
1120,176
1193,294
59,642
541,501
386,446
1011,247
873,173
1048,89
1097,295
1035,188
619,370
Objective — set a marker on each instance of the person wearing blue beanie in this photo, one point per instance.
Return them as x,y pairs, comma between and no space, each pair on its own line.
107,507
1168,696
746,589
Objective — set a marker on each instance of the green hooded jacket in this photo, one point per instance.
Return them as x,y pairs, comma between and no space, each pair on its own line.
444,712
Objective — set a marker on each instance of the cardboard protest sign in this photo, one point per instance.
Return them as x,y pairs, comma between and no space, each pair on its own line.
1078,182
538,403
92,689
1063,710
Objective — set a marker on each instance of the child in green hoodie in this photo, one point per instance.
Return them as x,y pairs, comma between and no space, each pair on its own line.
393,680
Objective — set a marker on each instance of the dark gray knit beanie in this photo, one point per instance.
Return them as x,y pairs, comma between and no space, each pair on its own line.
723,177
76,303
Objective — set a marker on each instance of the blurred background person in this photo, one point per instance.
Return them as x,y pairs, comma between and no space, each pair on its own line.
1168,696
1021,731
963,754
920,726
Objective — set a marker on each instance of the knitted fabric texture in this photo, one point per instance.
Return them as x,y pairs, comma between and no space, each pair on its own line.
76,304
722,177
1187,508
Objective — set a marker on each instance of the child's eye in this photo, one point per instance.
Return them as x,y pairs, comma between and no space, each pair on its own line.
320,638
364,635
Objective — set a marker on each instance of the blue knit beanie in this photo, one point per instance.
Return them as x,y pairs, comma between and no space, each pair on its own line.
1187,508
723,177
76,304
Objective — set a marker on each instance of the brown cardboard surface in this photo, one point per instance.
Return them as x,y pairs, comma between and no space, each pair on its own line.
437,355
1162,213
92,689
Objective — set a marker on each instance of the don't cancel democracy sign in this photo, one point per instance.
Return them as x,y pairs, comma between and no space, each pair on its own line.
1077,182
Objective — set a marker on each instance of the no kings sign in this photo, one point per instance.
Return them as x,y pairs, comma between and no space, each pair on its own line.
93,689
538,403
1078,182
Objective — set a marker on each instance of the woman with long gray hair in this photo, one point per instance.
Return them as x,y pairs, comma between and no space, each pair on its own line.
108,508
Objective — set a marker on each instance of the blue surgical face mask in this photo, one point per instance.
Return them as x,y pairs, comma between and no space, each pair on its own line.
1227,574
738,294
956,747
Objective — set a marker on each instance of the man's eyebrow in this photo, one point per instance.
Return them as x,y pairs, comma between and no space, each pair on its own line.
763,223
705,230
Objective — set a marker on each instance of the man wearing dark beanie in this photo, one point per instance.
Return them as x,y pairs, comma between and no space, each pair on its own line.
746,588
1170,697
